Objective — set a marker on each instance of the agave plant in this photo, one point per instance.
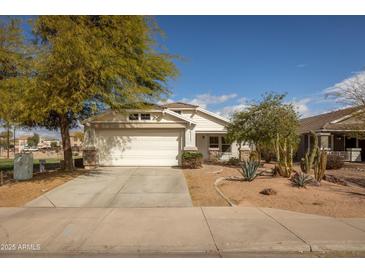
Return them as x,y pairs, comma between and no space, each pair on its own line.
301,179
249,170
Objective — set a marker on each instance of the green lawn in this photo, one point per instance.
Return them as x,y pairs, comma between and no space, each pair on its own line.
7,164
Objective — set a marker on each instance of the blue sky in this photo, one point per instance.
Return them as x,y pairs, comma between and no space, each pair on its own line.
229,61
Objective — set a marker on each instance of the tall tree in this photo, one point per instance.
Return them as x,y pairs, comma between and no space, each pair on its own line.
89,63
270,123
14,67
350,91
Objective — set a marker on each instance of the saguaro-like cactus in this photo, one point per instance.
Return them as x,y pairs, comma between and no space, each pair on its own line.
320,165
306,163
285,157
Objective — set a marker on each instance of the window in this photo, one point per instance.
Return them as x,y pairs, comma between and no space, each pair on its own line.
213,142
133,117
226,147
145,116
177,111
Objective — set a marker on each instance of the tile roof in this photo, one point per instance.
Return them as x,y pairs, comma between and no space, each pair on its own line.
321,122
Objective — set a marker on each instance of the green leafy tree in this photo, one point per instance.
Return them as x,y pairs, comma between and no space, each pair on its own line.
54,145
33,140
85,64
14,69
5,137
269,124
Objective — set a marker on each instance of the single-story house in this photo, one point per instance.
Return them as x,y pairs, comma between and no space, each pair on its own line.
156,136
339,132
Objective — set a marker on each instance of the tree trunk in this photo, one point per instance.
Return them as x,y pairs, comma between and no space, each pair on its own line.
277,148
14,140
66,143
8,141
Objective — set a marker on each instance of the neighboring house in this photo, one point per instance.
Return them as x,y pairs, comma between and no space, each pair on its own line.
157,136
21,142
340,132
46,142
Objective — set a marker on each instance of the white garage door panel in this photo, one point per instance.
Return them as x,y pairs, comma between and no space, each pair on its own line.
138,147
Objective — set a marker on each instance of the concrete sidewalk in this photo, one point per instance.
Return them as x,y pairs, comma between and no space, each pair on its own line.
169,232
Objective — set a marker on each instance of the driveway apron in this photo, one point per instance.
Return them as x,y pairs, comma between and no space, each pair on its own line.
119,187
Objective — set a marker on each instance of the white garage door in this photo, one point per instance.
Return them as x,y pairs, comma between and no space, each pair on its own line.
139,147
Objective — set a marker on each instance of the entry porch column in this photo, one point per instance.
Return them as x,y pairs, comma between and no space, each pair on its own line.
190,138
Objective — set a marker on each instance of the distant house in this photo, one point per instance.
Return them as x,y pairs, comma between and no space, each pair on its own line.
21,142
46,142
340,132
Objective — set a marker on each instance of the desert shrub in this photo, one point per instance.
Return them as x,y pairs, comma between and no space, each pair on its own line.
267,155
233,161
301,179
249,170
334,161
192,159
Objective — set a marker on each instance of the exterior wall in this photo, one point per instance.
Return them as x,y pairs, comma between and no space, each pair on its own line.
202,143
204,122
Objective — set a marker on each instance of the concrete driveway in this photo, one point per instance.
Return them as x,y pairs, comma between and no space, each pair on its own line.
121,187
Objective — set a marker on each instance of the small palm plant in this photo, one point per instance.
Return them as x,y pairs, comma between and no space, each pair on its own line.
249,170
301,179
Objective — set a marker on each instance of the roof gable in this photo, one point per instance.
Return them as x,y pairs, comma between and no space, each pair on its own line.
330,120
179,105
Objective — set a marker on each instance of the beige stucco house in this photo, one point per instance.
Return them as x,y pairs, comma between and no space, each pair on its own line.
157,136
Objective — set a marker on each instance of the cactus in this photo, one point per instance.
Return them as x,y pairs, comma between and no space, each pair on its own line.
249,170
320,165
285,158
306,163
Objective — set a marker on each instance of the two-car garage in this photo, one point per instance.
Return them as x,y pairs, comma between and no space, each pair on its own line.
139,147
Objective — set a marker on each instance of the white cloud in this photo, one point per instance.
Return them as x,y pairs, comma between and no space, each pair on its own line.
301,65
229,110
165,101
206,99
349,91
302,107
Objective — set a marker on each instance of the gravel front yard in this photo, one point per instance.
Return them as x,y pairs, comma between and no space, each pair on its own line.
16,194
328,199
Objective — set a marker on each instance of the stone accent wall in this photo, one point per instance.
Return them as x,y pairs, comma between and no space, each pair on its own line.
90,157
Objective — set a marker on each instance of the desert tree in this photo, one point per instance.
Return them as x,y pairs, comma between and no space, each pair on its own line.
86,64
14,72
268,124
350,91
